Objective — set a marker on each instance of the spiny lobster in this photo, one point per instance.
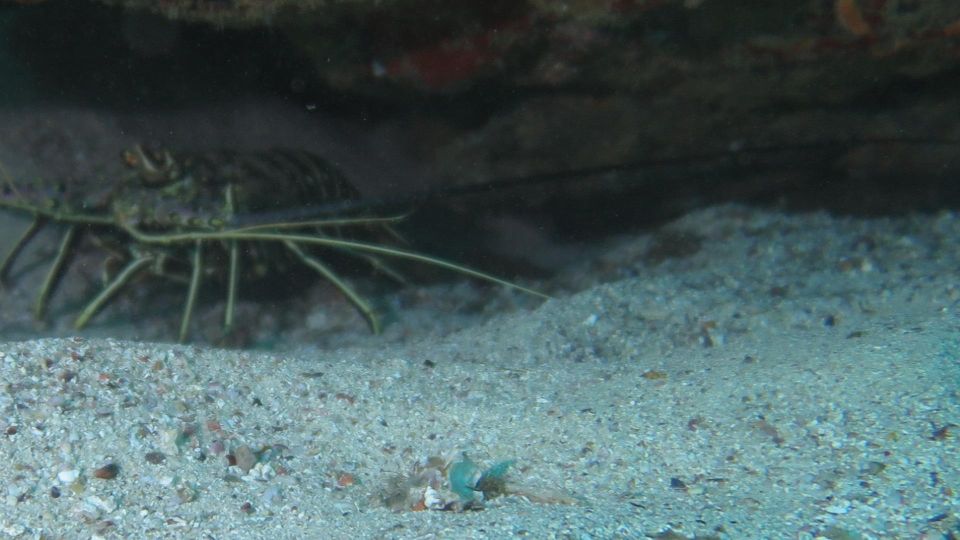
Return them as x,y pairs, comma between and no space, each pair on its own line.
174,215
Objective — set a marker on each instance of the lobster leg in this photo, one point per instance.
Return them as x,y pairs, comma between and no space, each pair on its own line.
351,246
232,277
50,283
253,234
192,291
14,252
234,254
332,277
384,268
118,282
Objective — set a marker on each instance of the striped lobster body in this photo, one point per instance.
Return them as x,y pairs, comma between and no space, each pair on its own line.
176,216
195,190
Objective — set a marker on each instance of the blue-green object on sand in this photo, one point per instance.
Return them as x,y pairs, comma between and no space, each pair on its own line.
466,479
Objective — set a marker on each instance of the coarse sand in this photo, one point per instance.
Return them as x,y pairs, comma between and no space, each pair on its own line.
739,373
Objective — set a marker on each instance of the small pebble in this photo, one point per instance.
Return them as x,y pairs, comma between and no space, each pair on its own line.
186,494
107,472
245,457
840,506
68,476
345,479
271,496
102,504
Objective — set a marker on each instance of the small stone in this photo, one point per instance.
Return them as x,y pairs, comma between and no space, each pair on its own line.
169,442
186,494
217,448
107,472
68,476
102,504
245,458
14,530
839,507
155,458
271,496
261,472
345,479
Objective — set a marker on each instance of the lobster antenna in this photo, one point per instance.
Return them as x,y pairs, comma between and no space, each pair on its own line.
369,206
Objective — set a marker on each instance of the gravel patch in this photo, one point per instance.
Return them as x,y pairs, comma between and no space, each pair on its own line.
737,374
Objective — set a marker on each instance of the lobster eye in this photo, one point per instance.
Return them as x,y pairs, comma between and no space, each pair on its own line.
154,167
155,157
131,159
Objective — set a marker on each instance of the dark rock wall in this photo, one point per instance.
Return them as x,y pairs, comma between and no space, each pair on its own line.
815,102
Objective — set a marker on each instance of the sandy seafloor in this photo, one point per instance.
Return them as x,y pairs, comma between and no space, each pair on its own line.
739,373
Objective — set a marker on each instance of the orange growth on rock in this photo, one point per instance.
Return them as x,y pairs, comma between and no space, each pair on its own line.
952,29
851,18
345,479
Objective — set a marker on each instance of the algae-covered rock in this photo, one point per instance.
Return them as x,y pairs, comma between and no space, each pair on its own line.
232,13
500,88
